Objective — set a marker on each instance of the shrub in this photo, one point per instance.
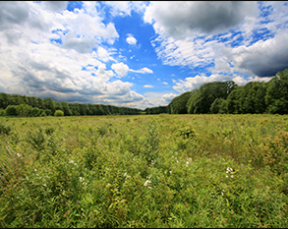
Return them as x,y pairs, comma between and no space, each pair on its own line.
49,130
58,113
48,112
37,139
4,129
2,112
11,110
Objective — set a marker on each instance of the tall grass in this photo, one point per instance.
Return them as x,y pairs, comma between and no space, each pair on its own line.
144,171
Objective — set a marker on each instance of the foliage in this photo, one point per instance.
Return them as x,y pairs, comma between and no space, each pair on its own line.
11,110
152,171
178,104
58,113
4,128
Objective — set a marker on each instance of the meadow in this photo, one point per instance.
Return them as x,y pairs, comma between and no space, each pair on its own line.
211,170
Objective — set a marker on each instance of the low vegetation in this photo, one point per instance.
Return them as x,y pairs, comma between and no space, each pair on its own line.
210,170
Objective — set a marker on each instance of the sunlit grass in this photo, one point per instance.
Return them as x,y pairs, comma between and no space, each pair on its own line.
144,171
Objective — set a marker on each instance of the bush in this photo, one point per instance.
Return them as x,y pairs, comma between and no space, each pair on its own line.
11,110
4,129
58,113
2,112
48,112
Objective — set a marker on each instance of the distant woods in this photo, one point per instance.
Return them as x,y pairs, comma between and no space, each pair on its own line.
210,98
229,98
29,106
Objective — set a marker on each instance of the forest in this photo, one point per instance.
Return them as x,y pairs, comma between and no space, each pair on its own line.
229,98
31,106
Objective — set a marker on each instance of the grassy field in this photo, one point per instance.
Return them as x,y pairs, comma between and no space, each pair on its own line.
144,171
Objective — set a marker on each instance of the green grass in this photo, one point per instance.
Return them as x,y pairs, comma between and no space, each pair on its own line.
144,171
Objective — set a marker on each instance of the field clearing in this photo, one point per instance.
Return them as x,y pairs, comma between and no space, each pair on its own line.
144,171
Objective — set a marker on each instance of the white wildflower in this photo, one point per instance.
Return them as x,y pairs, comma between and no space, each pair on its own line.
125,174
227,176
147,182
35,170
71,162
19,155
170,172
81,179
231,176
187,163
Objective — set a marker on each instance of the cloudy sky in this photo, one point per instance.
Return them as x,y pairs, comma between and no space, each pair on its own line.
137,54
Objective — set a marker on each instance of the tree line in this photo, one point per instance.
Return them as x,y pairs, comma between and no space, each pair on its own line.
31,106
229,98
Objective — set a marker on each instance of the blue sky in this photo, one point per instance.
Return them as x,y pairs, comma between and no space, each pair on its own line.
137,54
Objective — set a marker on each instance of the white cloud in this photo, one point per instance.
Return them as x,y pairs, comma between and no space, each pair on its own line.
167,98
124,8
55,6
180,19
142,70
264,58
148,86
165,83
131,40
121,69
48,69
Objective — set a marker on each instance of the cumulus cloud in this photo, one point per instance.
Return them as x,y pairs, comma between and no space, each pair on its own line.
264,58
46,69
121,69
251,46
55,6
167,98
80,44
179,19
131,40
148,86
124,8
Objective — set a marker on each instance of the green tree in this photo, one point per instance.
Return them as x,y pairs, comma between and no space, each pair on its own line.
66,109
178,104
23,109
49,104
11,110
58,113
276,97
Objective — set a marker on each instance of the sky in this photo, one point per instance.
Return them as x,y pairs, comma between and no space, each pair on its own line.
137,54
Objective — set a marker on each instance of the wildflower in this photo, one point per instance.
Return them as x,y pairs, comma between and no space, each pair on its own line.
170,172
81,179
227,176
177,161
231,176
125,174
35,170
71,162
187,163
19,155
147,182
222,192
